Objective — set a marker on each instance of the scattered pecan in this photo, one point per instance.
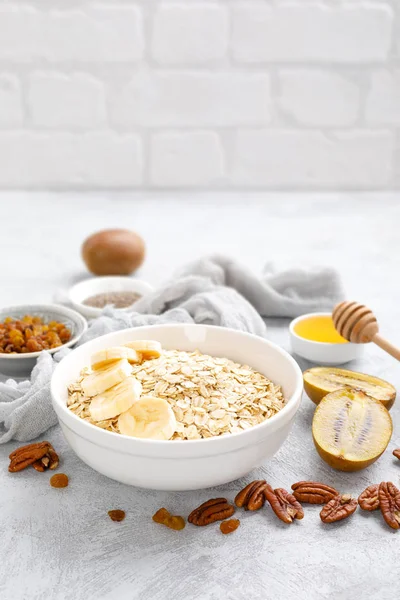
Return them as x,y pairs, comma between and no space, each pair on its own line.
26,455
396,453
41,465
369,498
252,496
17,451
338,508
116,515
284,504
389,499
229,526
59,480
164,517
313,492
216,509
49,461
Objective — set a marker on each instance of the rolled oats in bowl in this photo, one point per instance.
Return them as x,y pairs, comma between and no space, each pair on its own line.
175,394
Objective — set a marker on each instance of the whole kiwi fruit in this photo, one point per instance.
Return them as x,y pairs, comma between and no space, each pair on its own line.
113,252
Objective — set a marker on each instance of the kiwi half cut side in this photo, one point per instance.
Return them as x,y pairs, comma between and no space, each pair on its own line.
320,381
350,429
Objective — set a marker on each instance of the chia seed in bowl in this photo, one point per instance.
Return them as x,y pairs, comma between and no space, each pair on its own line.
116,299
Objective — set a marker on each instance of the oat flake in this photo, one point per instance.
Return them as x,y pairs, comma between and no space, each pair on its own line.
209,396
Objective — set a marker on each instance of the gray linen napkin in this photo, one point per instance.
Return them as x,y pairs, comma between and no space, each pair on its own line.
212,290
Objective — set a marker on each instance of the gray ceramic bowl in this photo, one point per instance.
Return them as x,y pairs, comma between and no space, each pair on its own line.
20,365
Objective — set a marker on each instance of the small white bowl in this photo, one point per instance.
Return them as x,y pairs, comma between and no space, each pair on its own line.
20,365
98,285
322,353
181,464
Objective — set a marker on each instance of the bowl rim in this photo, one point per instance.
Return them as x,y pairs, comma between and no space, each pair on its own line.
81,322
134,281
290,405
294,322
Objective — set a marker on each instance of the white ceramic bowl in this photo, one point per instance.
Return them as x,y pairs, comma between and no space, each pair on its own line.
186,464
21,365
97,285
322,353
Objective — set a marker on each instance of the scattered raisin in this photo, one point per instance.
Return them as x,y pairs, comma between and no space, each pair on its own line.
163,517
116,515
176,522
229,526
59,480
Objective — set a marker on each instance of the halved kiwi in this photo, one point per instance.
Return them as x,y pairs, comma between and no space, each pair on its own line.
320,381
350,429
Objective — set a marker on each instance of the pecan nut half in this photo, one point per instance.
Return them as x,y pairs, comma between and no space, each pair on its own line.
396,453
389,499
338,508
26,455
284,504
369,498
28,447
216,509
313,492
49,461
252,496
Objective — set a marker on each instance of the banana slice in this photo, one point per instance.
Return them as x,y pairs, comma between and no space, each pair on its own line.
104,357
149,417
147,348
103,379
115,401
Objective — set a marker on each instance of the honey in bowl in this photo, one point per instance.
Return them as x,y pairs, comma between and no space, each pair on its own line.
319,328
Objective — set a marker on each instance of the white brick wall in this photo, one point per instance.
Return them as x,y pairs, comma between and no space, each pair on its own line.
313,159
302,31
74,101
164,99
216,94
186,159
189,34
11,111
319,98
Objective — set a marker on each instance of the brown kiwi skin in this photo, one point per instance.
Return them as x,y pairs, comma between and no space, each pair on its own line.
316,394
339,462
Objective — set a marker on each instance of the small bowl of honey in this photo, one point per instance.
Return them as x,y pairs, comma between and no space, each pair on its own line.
313,336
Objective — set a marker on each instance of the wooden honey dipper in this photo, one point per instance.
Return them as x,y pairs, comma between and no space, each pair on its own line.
357,323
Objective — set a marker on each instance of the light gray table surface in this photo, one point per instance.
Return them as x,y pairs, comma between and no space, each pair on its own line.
62,545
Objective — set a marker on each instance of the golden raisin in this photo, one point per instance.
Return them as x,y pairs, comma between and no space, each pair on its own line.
31,334
51,337
176,522
116,515
33,345
65,335
163,517
59,480
229,526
